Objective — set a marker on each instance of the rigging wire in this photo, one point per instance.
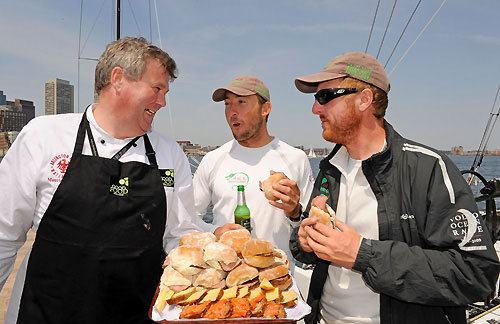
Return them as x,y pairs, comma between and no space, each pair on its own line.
490,125
79,43
387,27
169,107
93,25
373,23
420,34
133,16
401,36
150,28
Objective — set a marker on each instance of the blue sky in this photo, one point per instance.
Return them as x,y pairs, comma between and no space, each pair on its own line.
441,93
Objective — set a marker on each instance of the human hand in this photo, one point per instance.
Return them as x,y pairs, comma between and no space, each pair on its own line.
226,227
340,245
303,237
288,192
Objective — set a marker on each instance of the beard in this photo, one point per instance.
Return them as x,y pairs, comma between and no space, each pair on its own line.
344,129
252,130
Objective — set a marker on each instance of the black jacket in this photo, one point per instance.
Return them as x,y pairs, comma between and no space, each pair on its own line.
434,255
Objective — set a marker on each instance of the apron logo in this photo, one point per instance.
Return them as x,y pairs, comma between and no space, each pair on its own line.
119,187
167,177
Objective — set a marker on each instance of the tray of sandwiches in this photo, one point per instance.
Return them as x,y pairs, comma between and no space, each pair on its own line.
235,278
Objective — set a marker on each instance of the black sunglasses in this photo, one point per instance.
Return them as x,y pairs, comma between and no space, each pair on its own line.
326,95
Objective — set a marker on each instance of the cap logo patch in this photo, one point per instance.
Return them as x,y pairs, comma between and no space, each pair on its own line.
262,91
330,63
359,71
238,81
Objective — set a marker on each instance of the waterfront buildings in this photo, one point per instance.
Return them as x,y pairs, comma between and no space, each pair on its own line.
13,116
59,97
3,98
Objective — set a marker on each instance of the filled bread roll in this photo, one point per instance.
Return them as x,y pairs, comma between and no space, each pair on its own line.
267,185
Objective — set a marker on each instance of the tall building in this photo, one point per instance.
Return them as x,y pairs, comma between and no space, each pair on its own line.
3,98
14,115
59,97
26,106
11,119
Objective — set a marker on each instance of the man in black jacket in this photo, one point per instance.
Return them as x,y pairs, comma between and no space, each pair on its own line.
409,245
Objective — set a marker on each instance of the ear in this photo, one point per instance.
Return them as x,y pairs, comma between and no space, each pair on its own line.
365,99
116,78
266,108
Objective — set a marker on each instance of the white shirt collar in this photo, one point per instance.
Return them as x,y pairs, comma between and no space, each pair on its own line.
101,133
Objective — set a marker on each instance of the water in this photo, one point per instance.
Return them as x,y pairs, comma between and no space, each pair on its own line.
490,168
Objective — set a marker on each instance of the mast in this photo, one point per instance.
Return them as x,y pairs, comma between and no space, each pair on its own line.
118,14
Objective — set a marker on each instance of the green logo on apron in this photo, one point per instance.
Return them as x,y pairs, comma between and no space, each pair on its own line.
119,187
167,177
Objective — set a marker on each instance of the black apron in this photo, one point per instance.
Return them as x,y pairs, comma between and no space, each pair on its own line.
97,255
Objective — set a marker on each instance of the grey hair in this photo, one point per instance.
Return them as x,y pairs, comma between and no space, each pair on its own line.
131,54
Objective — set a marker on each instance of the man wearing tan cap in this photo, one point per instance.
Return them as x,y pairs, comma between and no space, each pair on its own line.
248,159
409,245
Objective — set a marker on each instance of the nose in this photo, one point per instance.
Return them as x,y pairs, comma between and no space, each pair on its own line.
317,109
230,109
160,99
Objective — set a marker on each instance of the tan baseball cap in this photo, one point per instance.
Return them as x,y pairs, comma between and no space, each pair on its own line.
243,86
357,65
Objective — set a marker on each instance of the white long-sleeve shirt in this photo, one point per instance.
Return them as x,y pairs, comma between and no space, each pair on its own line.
223,169
33,168
346,298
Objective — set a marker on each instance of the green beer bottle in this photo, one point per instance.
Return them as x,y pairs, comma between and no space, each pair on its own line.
242,213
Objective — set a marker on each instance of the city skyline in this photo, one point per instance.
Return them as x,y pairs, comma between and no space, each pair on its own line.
441,95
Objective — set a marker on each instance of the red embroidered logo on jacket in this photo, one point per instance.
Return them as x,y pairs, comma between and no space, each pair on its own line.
58,166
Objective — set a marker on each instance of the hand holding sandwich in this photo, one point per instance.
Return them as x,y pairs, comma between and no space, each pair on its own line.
279,187
332,241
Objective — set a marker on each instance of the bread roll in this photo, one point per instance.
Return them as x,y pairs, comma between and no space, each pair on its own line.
267,185
174,280
210,278
198,239
220,256
321,216
258,253
235,239
278,275
187,259
241,274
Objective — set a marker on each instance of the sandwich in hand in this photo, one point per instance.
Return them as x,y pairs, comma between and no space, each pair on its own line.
267,185
322,212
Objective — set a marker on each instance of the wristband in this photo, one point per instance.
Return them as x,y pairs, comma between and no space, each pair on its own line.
295,219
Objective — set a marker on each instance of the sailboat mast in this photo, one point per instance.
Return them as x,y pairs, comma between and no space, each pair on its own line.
118,14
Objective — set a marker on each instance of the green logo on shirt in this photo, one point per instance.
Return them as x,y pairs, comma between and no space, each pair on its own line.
237,179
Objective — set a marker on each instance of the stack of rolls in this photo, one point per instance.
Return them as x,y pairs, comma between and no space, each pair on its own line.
235,276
